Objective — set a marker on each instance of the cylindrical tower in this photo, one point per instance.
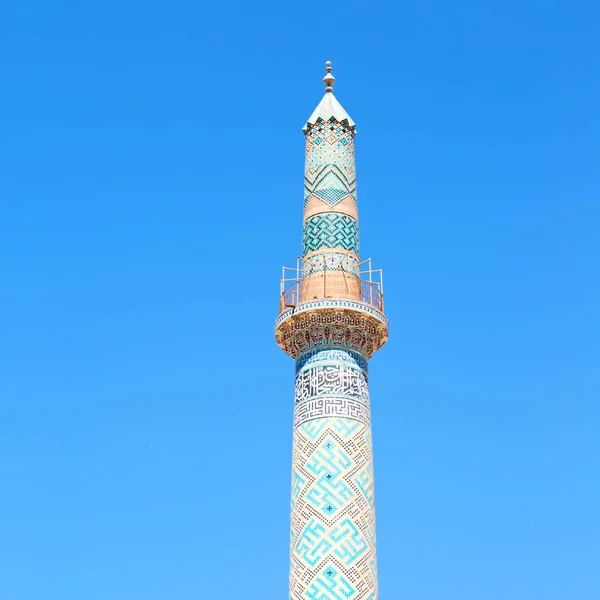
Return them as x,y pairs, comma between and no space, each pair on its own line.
331,322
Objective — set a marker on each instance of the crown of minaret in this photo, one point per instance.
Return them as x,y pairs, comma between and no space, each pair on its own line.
329,106
330,271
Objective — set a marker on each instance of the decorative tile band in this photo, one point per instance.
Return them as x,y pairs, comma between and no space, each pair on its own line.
330,230
332,379
317,304
330,183
329,171
315,206
318,408
335,356
331,260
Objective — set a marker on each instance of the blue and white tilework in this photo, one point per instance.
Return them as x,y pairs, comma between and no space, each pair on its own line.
333,553
329,168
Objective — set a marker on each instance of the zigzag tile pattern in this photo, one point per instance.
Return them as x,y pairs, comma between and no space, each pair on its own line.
316,206
330,230
329,169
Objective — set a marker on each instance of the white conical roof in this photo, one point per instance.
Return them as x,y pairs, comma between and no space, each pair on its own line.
327,108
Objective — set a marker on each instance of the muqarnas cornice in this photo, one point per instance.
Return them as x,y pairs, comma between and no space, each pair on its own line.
322,328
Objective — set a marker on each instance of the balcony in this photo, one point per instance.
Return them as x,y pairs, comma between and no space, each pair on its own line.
303,283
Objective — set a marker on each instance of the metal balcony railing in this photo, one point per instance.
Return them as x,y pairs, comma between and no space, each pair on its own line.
303,284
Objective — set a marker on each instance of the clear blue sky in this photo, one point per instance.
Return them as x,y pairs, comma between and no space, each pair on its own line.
151,188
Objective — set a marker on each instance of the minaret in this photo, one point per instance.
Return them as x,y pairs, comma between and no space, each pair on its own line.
331,322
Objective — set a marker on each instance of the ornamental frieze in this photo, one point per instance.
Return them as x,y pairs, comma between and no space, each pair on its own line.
344,328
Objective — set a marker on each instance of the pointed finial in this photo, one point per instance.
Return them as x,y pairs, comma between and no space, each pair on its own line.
329,79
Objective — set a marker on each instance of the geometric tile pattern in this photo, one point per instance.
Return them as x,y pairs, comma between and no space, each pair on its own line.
329,168
324,406
330,260
333,544
330,584
330,230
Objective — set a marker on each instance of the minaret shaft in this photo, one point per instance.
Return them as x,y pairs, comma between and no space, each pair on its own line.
333,552
332,322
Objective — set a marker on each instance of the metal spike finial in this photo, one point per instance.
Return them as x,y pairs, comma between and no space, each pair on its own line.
329,79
